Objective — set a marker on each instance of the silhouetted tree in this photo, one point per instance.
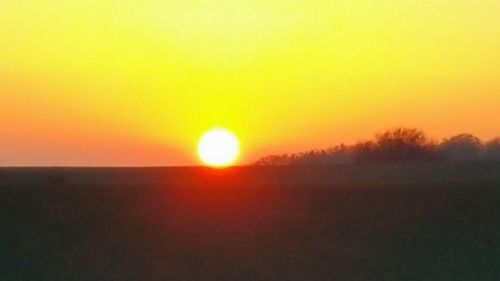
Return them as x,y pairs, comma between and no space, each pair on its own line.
492,149
397,145
340,154
462,147
365,151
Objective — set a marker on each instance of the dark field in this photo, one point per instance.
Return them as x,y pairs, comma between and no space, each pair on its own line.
391,222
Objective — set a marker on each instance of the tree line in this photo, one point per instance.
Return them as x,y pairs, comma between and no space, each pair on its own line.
396,145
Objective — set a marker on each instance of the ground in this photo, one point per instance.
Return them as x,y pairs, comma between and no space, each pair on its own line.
348,222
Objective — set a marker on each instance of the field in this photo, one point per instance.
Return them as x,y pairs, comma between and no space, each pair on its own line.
349,222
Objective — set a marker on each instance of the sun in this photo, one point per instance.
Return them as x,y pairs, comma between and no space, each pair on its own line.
218,147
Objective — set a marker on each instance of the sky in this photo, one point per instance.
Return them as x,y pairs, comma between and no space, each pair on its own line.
123,82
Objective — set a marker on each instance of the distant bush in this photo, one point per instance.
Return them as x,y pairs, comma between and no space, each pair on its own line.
463,147
492,149
274,160
335,155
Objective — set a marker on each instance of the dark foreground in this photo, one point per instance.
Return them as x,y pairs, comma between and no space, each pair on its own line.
411,222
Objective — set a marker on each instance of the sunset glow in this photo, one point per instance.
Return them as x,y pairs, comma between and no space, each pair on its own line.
85,82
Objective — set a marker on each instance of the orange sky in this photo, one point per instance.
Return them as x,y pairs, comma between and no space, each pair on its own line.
87,82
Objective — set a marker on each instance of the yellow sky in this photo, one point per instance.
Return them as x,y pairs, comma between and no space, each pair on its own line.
122,82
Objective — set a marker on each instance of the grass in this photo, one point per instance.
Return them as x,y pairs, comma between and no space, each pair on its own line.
350,222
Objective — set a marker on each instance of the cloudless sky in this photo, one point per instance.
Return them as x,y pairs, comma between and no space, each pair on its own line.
122,82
